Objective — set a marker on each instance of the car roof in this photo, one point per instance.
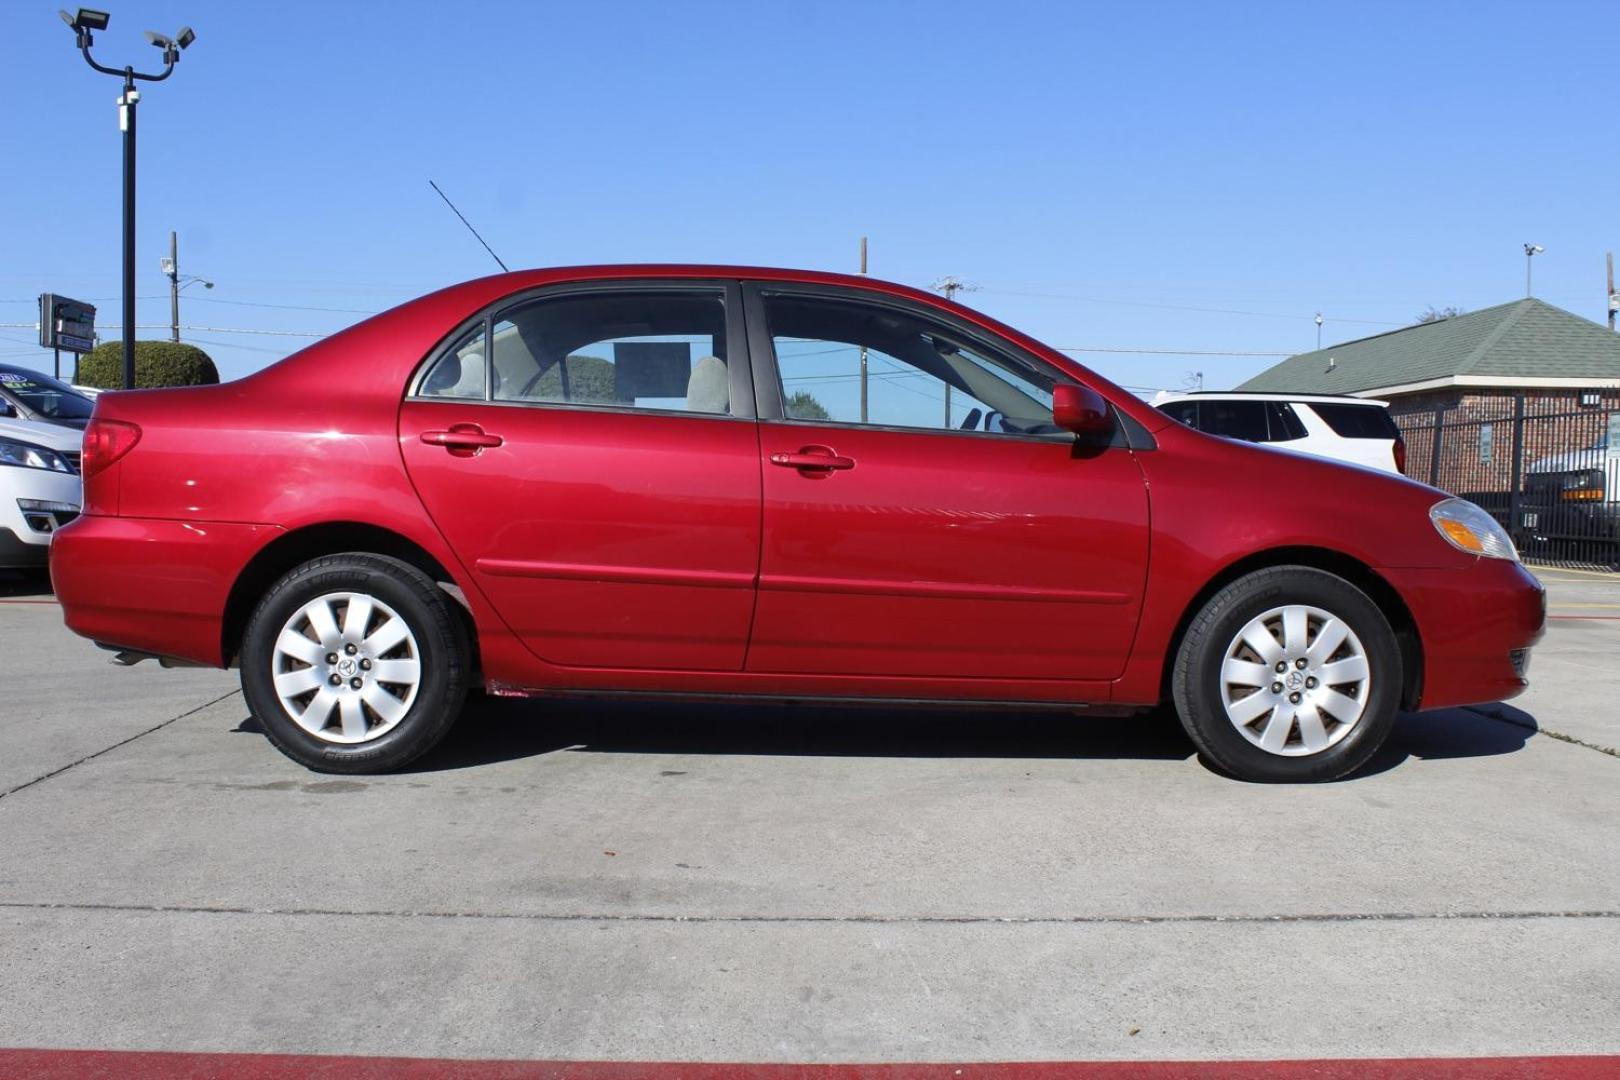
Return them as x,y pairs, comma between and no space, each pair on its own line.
1263,395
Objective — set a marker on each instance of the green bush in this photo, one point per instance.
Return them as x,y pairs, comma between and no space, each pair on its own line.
157,363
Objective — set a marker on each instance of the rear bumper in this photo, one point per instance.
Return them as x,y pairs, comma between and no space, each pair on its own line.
1477,625
151,585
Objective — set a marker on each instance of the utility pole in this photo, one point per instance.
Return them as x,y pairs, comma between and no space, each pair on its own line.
1530,252
177,281
1614,298
950,286
1318,331
174,286
863,347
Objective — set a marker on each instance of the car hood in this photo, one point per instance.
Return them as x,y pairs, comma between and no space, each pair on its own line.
50,436
1592,458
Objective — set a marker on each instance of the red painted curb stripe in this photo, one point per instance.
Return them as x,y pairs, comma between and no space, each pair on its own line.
136,1065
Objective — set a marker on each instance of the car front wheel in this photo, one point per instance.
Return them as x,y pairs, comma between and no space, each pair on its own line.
355,663
1289,674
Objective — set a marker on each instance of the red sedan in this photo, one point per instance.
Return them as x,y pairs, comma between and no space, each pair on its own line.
746,483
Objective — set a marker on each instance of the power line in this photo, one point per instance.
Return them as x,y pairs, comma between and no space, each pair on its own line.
1162,352
282,307
1179,307
204,329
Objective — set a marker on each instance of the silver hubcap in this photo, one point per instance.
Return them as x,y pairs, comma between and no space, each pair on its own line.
1295,680
346,667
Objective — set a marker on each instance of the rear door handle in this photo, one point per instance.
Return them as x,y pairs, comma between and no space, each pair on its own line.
465,437
813,457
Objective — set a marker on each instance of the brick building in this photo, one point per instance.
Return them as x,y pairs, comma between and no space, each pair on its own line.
1523,376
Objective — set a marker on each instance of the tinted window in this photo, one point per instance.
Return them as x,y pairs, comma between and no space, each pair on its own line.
45,395
1284,423
849,362
1357,421
1185,411
1244,420
644,349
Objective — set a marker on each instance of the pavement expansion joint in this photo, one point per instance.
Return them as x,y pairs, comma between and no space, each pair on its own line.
918,920
121,742
1482,710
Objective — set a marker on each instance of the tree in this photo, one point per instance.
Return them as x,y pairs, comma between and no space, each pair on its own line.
157,363
590,379
1434,314
802,405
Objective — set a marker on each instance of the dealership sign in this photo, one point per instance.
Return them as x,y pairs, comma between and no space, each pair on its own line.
66,324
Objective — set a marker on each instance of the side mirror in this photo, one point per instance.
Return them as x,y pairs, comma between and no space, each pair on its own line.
1081,410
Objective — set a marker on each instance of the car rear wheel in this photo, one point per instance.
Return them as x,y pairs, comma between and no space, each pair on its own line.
355,663
1289,674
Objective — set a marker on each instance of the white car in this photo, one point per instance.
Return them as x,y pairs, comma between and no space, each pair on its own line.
40,489
1357,430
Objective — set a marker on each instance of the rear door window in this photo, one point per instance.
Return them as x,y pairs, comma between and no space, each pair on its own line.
1357,421
1244,420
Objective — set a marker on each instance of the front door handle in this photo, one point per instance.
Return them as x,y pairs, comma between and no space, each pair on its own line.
462,439
813,458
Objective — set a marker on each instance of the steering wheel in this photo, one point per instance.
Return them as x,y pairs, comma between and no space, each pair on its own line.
972,420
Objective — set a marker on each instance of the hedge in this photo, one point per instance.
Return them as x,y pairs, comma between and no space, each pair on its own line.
157,363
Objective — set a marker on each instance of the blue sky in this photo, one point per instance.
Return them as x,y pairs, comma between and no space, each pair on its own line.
1098,170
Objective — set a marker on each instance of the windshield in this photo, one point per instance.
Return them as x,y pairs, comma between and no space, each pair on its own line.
45,395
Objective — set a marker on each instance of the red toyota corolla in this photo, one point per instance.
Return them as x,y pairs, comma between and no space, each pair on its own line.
744,483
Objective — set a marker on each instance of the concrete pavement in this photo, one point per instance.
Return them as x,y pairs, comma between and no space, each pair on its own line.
797,884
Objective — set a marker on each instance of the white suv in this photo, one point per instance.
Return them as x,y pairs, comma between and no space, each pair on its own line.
40,490
1357,430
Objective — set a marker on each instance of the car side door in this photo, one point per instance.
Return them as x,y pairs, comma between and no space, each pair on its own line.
923,516
590,453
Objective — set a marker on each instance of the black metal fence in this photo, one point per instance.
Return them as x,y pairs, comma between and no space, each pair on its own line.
1547,466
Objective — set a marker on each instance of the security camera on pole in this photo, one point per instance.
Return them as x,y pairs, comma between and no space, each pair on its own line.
83,23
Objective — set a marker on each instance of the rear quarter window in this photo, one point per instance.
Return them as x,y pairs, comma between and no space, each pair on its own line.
1357,421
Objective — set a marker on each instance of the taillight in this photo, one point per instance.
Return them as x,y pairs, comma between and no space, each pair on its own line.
1400,455
105,441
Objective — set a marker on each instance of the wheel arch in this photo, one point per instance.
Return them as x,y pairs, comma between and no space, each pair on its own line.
1333,562
300,545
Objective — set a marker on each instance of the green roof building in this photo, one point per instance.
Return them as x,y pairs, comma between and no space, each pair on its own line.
1525,345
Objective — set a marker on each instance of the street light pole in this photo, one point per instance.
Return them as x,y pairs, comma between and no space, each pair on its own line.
83,23
1530,252
126,123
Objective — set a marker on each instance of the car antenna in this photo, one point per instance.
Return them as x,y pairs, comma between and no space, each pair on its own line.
470,229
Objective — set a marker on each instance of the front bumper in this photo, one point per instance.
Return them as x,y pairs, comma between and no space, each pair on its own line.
1568,521
1477,625
26,530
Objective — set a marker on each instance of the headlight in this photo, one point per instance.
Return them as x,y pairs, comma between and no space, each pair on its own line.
1583,486
28,456
1468,528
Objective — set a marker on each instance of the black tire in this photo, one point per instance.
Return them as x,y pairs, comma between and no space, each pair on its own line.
1199,689
444,656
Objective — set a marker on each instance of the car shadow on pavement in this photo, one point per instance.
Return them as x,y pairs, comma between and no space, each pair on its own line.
494,729
1486,731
